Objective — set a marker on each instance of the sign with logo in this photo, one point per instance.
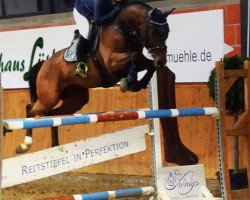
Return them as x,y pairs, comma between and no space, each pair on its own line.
20,50
182,182
75,155
195,43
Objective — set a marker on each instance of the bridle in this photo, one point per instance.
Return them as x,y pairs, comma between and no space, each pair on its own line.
150,22
134,36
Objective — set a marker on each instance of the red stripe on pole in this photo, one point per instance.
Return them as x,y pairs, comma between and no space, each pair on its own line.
116,116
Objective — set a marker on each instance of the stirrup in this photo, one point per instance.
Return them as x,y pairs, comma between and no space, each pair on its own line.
81,69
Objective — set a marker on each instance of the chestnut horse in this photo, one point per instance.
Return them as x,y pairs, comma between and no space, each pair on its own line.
120,46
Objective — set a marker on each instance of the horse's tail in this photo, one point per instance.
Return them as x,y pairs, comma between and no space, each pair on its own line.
32,80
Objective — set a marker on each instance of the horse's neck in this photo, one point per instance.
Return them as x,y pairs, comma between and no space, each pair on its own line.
130,20
115,48
135,17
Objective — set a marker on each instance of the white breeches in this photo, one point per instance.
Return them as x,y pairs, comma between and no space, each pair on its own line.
82,24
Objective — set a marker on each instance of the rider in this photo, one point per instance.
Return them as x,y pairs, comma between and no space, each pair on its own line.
101,12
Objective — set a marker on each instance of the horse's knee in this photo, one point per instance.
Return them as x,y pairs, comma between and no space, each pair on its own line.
29,110
77,105
85,98
28,107
40,108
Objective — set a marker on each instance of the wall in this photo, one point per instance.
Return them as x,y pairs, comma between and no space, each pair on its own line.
232,24
186,4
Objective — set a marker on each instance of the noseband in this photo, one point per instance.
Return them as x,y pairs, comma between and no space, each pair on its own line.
152,49
131,33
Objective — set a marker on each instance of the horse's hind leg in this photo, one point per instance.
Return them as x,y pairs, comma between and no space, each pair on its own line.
33,110
33,73
25,146
73,100
54,135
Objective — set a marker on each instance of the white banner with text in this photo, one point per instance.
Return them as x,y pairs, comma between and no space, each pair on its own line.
195,43
75,155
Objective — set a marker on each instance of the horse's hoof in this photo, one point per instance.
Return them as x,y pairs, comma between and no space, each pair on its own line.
181,155
124,85
22,148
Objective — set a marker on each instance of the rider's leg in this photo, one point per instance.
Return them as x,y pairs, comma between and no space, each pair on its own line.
82,40
105,11
102,10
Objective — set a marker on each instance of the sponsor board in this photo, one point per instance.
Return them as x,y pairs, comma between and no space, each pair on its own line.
75,155
182,182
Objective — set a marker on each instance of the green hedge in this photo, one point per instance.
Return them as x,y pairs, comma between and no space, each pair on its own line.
235,96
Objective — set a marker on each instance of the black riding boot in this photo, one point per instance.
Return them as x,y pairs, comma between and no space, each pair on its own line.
81,54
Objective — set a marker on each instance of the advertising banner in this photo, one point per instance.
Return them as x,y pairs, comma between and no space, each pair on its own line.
75,155
20,50
182,182
195,43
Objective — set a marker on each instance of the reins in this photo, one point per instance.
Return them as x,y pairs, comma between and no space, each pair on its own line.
133,35
129,32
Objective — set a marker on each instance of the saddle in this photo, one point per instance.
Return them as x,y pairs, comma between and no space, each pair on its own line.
70,54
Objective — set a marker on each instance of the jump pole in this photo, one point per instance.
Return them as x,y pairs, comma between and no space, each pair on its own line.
117,194
156,137
28,123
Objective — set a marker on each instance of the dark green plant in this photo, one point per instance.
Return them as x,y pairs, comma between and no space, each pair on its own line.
234,99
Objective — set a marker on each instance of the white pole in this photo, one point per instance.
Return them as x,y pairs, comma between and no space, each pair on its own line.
156,138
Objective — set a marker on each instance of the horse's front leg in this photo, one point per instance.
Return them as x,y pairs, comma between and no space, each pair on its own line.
146,79
124,61
139,63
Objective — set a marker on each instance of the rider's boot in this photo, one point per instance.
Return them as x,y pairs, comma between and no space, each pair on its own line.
175,151
81,54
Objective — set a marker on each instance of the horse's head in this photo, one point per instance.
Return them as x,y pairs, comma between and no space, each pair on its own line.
146,27
154,35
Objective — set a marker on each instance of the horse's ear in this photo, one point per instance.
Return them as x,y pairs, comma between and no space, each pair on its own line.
152,13
168,12
157,15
